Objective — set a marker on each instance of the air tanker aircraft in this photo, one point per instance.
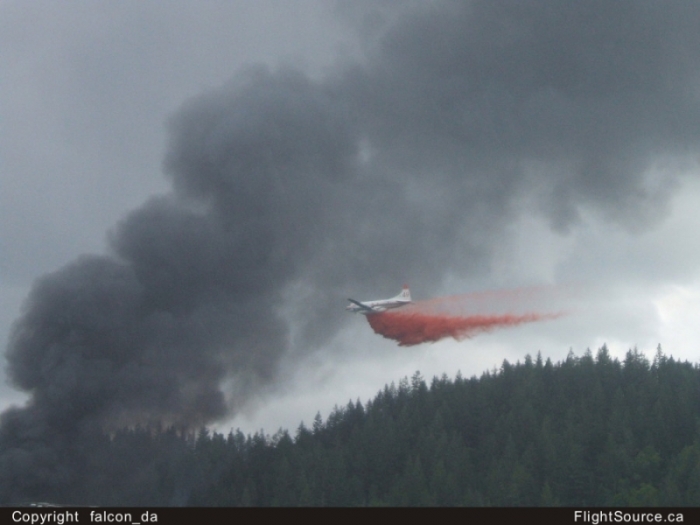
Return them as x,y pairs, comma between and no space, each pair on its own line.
380,305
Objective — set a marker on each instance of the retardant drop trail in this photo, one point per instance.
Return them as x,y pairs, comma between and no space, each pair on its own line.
415,328
464,316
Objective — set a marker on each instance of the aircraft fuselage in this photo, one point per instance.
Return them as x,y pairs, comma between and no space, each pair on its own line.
379,305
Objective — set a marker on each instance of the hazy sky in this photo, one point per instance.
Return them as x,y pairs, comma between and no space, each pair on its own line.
235,170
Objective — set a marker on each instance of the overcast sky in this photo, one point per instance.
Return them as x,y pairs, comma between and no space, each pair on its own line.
237,169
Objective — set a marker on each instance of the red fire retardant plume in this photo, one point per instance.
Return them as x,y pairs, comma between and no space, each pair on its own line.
411,328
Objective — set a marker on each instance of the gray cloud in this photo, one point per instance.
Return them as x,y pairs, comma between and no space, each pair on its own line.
402,167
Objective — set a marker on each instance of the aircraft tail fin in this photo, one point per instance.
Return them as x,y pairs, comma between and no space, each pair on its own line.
405,294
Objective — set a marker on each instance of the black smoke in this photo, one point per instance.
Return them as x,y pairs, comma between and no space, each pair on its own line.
403,165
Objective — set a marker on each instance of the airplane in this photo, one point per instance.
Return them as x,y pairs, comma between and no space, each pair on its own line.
380,305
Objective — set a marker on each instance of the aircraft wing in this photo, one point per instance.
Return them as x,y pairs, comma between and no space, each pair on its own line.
362,305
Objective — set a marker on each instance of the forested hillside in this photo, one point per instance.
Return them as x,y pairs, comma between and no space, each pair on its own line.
590,430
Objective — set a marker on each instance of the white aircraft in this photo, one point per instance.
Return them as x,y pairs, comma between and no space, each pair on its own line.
380,305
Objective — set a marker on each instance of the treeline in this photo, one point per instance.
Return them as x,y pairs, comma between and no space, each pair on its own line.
590,430
587,431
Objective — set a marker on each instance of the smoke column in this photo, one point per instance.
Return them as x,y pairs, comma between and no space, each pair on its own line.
435,319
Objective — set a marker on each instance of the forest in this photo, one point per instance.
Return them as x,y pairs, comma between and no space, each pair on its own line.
587,431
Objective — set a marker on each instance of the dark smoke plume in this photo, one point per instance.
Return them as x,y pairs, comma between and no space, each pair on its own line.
289,193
